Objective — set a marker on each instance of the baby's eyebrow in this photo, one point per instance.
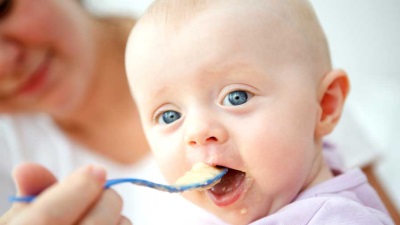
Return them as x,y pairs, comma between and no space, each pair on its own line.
226,67
234,68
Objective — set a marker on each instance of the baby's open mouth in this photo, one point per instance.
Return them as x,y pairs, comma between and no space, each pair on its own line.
224,186
229,182
229,189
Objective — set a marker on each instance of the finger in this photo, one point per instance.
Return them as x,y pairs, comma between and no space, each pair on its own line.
67,201
13,212
106,211
31,178
124,221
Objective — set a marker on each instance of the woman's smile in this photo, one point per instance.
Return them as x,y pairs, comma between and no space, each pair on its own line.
36,80
28,78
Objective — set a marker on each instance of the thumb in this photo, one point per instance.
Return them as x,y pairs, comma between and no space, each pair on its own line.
31,178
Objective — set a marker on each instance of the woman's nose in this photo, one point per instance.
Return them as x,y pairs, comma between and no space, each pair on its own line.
204,130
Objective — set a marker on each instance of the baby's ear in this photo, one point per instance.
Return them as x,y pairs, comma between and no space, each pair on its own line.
332,94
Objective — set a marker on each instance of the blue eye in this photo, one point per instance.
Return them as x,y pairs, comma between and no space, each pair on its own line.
169,117
236,98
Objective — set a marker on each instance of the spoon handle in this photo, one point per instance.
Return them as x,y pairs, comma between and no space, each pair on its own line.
145,183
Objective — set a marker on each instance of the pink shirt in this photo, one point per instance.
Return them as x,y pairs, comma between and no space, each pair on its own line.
345,199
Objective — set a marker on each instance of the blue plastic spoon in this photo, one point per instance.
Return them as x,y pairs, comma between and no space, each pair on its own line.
190,181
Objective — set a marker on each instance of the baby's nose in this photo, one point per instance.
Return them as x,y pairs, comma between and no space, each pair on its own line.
202,140
203,131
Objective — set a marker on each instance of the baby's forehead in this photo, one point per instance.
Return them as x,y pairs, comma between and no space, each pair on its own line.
282,17
174,13
292,20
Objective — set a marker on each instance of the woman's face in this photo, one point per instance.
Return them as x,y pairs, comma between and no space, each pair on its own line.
46,55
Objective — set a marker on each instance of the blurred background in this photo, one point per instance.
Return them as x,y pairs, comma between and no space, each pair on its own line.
364,38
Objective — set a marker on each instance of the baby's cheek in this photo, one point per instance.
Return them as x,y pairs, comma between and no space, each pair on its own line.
171,163
171,170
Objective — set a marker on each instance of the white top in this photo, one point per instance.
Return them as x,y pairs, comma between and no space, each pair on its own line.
37,139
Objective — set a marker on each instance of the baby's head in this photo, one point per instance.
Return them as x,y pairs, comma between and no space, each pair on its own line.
245,85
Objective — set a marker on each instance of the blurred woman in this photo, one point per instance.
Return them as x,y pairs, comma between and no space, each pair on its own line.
65,103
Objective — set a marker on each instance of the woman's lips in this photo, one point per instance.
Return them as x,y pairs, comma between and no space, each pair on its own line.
229,189
37,80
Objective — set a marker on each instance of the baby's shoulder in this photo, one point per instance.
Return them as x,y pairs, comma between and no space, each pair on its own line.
340,210
327,210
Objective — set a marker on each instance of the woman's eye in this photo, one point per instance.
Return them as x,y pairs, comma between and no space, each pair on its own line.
236,98
168,117
5,7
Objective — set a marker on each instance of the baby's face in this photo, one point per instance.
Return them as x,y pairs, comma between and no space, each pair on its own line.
233,93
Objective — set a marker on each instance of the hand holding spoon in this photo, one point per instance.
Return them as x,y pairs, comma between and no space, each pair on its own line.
201,176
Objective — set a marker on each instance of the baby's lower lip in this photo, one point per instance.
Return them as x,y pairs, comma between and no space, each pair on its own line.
229,189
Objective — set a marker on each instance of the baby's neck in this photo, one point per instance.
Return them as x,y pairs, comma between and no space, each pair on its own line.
319,173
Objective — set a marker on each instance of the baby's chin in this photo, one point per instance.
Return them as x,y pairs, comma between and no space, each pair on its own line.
230,200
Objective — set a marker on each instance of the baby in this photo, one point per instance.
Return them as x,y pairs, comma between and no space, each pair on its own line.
247,85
